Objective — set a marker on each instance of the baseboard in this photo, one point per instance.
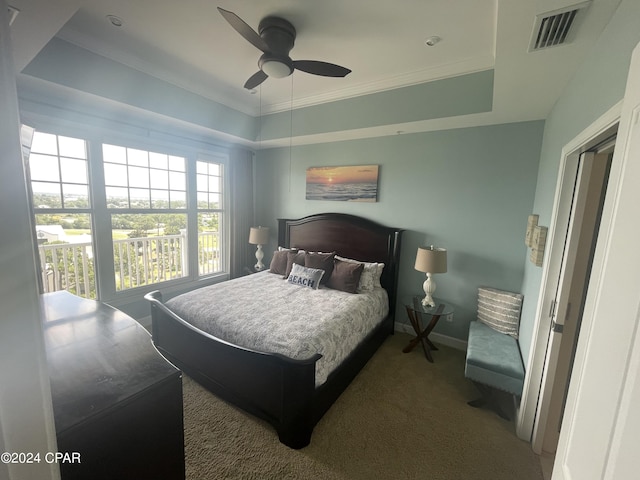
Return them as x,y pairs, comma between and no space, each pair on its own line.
435,337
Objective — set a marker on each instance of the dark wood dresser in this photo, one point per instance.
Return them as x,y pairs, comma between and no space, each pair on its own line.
116,400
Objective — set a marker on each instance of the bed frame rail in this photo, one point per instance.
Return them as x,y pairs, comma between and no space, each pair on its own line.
270,386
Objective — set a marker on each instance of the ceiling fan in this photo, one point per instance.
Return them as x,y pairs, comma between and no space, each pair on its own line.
276,40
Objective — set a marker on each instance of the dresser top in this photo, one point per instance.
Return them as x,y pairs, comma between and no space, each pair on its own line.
97,357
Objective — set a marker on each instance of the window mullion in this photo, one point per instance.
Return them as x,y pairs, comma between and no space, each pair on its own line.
105,272
192,218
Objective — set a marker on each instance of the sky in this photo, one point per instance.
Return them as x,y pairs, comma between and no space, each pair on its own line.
350,174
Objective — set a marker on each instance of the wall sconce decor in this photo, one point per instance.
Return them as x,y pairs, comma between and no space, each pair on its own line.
535,238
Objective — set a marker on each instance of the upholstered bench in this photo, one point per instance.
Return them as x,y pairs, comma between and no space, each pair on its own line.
493,357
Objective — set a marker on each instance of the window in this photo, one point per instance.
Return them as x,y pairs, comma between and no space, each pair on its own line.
139,179
209,194
165,213
59,179
58,167
150,235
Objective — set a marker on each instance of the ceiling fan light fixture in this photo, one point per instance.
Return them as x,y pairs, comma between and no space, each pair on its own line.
275,67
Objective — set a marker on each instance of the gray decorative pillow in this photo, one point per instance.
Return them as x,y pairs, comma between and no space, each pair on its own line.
500,310
293,257
279,261
345,276
305,277
371,273
323,261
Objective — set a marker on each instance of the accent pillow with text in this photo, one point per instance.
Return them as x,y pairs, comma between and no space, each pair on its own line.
305,277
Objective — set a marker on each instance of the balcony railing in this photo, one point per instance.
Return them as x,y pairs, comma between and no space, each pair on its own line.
68,266
137,262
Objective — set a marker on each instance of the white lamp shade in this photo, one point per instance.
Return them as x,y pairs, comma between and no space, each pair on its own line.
259,236
431,260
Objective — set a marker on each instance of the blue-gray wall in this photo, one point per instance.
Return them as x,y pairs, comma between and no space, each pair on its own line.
596,87
63,63
468,190
449,97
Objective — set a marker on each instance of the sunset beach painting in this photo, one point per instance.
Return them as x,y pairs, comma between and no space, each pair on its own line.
357,183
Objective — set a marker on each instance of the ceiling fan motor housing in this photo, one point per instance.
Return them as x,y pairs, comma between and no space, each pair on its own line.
279,35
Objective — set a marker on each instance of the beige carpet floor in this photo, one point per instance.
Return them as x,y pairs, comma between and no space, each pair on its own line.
401,418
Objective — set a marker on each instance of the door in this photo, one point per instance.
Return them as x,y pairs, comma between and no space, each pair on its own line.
566,310
600,435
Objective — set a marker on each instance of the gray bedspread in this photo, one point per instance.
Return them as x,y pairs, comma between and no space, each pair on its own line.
265,313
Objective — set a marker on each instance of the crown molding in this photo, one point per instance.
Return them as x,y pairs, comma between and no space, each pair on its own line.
463,67
420,126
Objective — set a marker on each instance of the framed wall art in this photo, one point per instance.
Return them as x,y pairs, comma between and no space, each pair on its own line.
354,183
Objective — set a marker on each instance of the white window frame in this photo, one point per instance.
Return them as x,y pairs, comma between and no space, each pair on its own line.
192,150
225,231
73,248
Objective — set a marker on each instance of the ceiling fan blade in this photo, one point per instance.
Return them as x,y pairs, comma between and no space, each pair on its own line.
321,68
243,29
255,80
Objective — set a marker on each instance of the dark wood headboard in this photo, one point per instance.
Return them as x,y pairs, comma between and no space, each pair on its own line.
349,236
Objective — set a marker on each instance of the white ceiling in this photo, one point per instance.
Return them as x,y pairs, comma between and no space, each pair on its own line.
189,44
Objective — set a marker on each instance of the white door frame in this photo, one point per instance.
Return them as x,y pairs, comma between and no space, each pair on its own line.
600,436
556,238
572,283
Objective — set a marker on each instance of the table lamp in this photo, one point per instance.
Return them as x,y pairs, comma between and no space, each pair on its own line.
259,236
430,260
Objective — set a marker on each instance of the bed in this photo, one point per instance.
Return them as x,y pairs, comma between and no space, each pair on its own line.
291,391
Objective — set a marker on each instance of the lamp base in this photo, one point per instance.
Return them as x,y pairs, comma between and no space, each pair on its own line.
427,301
259,266
429,287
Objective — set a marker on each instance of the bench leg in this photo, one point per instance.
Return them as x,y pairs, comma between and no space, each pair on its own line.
490,400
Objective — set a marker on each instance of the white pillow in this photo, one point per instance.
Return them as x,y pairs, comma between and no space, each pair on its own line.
371,273
284,249
305,276
378,275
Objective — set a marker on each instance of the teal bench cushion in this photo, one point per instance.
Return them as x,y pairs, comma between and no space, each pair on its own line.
494,359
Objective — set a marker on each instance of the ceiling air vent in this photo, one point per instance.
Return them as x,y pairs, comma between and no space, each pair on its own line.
556,28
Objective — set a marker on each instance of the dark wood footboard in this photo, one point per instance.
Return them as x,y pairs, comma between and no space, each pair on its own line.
270,386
